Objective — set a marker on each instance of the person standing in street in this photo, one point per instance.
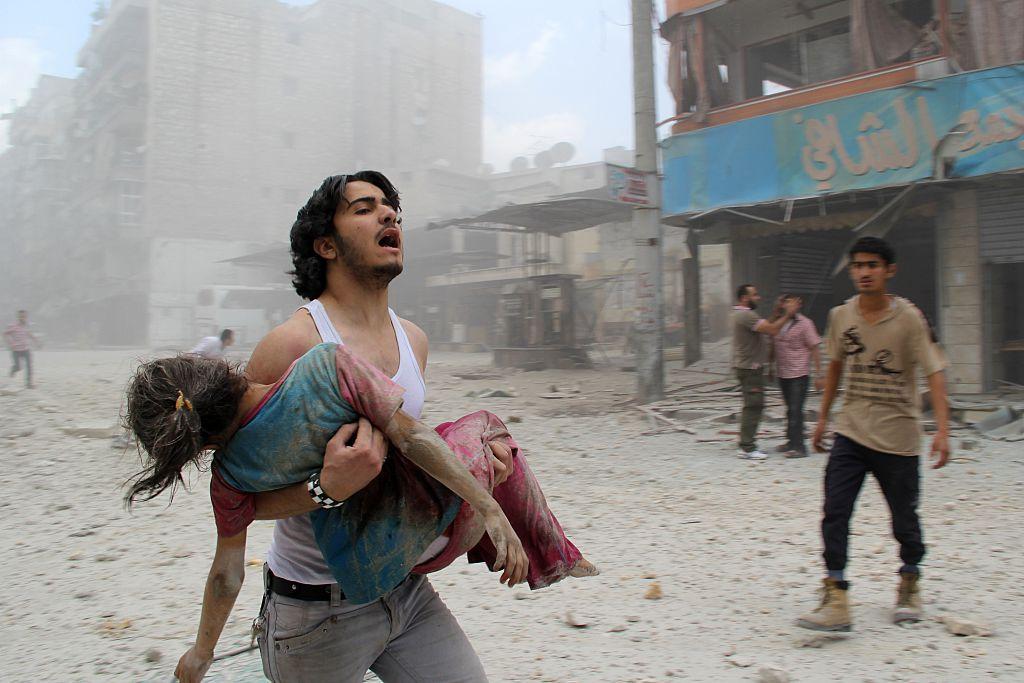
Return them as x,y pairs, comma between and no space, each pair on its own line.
796,345
879,342
751,346
213,347
19,340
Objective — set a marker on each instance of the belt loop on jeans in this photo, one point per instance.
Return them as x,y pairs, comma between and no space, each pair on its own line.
335,595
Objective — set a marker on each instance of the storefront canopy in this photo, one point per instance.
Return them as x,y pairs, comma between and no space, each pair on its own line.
554,216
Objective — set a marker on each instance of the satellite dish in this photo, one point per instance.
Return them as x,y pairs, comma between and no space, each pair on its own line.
543,160
519,164
562,152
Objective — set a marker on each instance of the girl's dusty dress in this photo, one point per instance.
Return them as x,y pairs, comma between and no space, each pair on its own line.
375,540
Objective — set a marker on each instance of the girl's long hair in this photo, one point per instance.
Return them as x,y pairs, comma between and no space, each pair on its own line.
177,407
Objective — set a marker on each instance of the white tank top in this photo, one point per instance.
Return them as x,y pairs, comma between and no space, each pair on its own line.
293,552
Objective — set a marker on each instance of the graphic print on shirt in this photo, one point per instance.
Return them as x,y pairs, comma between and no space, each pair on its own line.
876,380
852,345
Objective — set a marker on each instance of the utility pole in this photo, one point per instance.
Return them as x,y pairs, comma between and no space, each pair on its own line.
647,218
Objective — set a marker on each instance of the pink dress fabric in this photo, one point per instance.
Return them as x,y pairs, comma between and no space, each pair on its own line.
551,554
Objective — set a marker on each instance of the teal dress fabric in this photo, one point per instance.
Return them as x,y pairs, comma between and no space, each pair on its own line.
373,541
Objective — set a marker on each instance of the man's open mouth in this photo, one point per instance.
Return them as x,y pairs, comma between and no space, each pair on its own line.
390,238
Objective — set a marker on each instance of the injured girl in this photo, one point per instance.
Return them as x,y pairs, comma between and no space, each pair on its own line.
435,489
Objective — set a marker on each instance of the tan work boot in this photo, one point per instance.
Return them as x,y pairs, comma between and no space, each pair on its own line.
908,599
833,614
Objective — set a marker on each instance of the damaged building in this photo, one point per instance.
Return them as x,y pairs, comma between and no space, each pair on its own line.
194,132
802,125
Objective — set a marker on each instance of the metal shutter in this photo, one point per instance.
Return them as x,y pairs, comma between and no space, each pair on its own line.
1001,223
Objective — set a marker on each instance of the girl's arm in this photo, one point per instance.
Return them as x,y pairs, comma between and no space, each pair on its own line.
425,449
222,587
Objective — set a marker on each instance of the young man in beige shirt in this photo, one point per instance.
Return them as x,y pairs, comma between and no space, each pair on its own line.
879,341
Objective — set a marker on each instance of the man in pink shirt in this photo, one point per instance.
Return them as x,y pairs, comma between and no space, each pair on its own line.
18,338
796,345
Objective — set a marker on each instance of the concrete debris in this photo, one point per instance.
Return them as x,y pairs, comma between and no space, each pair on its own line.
654,592
491,393
772,674
18,433
742,661
964,627
92,431
576,622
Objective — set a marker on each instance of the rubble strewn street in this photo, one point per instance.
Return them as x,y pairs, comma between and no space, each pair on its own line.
706,559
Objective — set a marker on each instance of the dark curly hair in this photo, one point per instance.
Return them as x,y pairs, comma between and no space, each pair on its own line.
316,219
177,407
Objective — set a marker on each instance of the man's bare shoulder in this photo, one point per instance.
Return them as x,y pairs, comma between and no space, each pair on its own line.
418,341
282,345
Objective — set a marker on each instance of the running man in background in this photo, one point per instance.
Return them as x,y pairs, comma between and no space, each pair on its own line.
19,340
214,347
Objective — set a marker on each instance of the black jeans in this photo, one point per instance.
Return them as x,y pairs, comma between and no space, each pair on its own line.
794,391
898,477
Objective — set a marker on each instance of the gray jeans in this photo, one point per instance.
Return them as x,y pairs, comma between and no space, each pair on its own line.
408,636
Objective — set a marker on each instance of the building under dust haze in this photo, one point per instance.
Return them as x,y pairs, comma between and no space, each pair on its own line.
194,132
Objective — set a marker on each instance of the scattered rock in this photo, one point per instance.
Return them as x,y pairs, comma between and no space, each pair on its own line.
153,655
574,621
819,640
92,431
654,592
115,625
742,661
618,628
963,627
772,674
513,419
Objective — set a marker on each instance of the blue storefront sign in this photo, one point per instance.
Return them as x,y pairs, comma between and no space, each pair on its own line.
876,139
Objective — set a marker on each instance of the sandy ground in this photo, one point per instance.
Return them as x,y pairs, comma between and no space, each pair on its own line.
93,593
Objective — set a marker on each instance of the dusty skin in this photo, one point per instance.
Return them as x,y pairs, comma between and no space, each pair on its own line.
732,548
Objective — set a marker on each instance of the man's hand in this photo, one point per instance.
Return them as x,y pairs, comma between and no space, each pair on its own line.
791,306
819,382
501,460
348,468
818,440
193,666
940,450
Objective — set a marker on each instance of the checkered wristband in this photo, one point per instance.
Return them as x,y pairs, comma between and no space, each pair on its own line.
316,492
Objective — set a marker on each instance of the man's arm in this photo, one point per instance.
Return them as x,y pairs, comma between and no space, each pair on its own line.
222,587
940,408
788,312
835,373
772,328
